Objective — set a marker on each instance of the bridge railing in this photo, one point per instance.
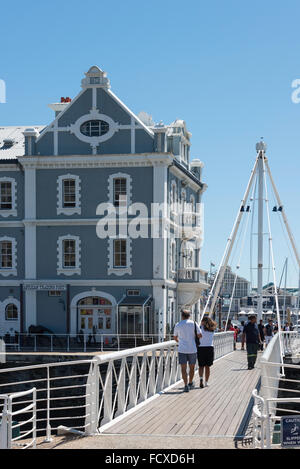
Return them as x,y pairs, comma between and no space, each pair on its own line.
87,395
81,342
266,421
137,375
11,430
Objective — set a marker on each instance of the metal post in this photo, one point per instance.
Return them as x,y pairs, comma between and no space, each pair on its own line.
260,235
48,429
284,298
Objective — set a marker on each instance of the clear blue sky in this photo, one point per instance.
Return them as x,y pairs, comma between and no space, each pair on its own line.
226,67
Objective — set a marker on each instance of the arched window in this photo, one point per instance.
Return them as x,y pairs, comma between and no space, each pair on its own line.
94,301
11,312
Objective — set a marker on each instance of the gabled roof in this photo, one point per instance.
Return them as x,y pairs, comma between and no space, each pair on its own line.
12,141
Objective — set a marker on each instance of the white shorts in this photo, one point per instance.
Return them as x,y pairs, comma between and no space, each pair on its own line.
268,339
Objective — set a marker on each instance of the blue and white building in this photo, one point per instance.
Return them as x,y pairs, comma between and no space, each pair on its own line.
55,270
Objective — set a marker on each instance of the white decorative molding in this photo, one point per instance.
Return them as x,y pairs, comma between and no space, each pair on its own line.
97,161
61,270
13,211
128,187
119,271
5,272
94,141
61,210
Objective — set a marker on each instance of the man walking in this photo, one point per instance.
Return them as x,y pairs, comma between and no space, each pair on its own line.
261,329
269,332
252,341
185,334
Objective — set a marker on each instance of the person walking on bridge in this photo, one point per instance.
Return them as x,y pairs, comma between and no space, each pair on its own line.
253,341
185,333
206,349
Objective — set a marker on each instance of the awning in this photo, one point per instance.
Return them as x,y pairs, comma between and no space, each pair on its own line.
135,300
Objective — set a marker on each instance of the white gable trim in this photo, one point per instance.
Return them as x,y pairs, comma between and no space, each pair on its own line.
126,109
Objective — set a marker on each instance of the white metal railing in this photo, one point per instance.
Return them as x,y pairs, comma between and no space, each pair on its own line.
87,395
151,370
266,421
11,431
81,342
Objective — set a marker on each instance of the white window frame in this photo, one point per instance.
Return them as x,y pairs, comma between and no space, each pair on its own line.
13,211
111,186
5,272
173,256
61,210
61,270
193,208
174,202
119,271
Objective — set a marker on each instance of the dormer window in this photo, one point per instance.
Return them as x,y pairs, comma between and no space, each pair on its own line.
94,128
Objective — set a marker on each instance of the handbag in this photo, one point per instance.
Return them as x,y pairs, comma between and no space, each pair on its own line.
197,340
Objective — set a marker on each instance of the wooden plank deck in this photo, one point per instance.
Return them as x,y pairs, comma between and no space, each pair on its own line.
221,409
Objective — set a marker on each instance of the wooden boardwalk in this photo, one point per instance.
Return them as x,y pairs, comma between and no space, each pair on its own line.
222,409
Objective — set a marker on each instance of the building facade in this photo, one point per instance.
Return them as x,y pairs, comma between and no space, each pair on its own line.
64,185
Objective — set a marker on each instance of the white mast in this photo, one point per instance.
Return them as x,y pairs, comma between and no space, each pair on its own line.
261,149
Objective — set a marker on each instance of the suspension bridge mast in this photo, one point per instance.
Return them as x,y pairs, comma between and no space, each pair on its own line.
261,156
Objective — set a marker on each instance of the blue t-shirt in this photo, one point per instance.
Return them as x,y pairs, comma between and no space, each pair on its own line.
252,333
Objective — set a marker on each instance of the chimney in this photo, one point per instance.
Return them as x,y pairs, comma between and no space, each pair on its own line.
59,107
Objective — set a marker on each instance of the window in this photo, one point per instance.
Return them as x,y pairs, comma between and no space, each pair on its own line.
120,192
120,253
173,196
6,255
54,293
120,256
94,128
120,189
69,193
5,195
173,256
8,197
69,253
11,312
133,292
68,248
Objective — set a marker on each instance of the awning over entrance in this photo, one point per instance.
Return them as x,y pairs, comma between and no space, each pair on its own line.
135,301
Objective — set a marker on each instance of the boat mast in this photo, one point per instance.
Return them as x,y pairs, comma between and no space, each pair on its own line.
261,149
